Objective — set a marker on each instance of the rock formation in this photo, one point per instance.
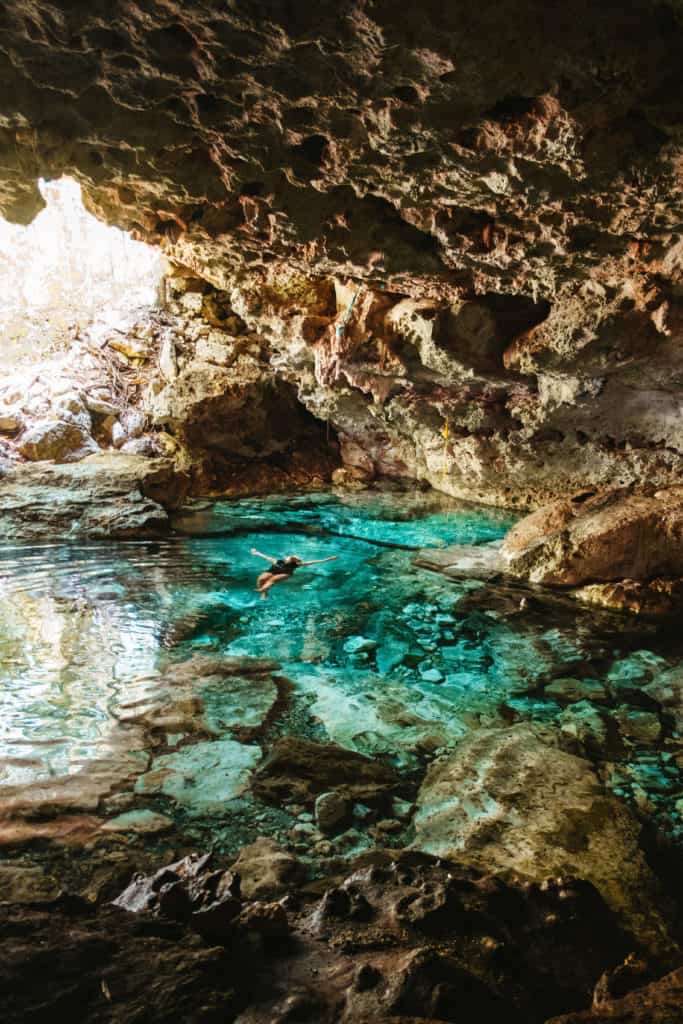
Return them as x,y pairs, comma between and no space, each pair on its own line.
506,800
513,222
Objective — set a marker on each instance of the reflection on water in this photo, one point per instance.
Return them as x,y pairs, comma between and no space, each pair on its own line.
386,658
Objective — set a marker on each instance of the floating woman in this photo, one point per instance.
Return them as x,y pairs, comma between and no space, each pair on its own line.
281,569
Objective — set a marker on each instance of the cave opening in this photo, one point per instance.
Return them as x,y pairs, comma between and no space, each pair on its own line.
66,271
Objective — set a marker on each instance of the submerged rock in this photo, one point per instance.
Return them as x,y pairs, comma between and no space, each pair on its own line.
506,800
202,777
297,769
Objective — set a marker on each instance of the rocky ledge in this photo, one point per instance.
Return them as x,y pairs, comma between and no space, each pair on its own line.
619,548
111,494
398,937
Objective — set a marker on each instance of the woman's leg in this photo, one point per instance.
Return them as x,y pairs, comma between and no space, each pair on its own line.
271,581
262,579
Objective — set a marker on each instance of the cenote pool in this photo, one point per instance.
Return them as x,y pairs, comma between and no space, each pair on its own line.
110,692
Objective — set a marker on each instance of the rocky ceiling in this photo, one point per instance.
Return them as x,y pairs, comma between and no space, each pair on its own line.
514,170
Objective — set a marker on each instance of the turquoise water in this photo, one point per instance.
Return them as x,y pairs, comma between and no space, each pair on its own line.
380,656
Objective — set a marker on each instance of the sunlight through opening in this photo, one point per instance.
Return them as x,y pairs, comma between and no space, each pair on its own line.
66,270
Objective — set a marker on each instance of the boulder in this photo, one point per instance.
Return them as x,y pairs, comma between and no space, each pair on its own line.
598,537
104,495
56,440
300,770
508,801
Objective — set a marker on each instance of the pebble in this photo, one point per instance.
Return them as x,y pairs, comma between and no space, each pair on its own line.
432,675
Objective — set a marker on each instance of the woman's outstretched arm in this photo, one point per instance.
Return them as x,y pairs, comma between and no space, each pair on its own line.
319,561
261,555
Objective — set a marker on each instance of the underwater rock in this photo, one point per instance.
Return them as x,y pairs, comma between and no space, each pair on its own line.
586,724
639,726
568,690
464,561
506,800
202,777
300,770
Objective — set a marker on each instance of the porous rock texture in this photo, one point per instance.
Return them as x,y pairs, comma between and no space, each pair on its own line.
400,938
618,548
503,179
507,801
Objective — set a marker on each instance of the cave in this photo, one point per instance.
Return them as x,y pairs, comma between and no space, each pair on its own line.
341,518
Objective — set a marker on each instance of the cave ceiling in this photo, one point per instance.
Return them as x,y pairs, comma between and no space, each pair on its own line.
436,149
506,180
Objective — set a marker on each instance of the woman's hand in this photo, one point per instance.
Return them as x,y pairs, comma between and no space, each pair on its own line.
254,551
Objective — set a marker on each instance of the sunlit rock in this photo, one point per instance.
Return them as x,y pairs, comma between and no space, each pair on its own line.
204,777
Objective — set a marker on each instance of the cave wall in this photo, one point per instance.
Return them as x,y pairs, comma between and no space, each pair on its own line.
505,180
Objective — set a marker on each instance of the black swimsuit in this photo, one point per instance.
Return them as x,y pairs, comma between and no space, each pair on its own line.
282,568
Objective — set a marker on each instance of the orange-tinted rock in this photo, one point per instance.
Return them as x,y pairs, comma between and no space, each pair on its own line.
611,535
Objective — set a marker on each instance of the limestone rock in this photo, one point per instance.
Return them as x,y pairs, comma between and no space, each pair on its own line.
56,440
103,495
656,1003
505,800
265,870
639,726
331,812
26,884
142,822
462,561
587,725
658,597
10,424
202,777
610,535
100,406
297,769
567,690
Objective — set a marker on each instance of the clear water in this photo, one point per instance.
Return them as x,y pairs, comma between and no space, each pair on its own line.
384,657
